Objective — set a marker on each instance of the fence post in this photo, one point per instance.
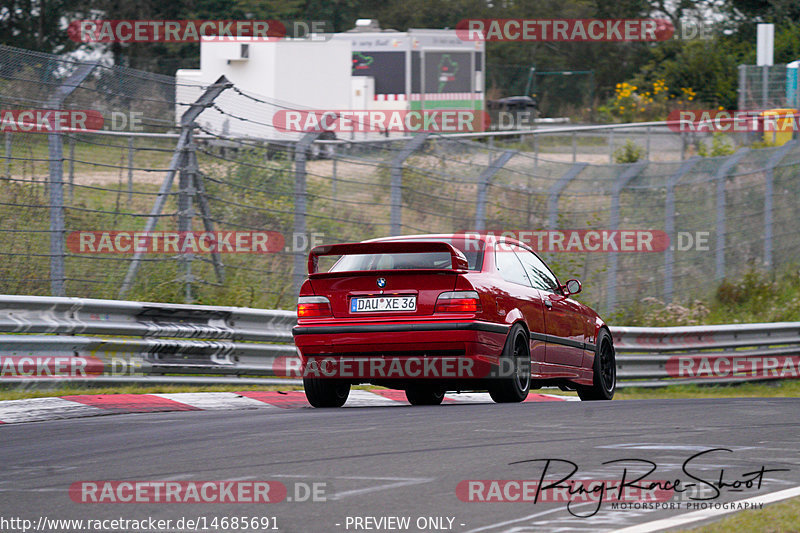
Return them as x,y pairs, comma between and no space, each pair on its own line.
396,170
772,162
483,185
742,86
56,181
574,147
130,168
300,156
683,146
334,158
555,192
71,168
178,161
631,172
8,155
205,213
611,146
186,195
669,225
719,178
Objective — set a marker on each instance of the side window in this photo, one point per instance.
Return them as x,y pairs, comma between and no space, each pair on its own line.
509,266
540,276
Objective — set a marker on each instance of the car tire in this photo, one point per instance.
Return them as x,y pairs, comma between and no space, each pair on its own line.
604,371
323,392
516,352
424,395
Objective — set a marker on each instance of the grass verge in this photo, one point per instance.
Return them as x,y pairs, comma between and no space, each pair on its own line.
765,389
783,517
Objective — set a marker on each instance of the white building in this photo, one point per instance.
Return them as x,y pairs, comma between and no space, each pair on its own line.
364,69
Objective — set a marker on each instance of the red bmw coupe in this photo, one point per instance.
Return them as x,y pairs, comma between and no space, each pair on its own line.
434,313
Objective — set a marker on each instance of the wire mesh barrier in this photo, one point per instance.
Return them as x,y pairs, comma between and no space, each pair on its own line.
73,203
768,87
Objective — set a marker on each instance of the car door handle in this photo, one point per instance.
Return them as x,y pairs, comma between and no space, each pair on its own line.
548,304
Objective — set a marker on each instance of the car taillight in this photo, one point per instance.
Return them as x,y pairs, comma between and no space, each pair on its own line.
313,306
458,302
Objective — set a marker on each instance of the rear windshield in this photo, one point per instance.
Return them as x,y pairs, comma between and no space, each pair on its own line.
473,250
394,261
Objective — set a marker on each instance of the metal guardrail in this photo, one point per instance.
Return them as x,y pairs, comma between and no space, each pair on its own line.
123,342
134,341
656,357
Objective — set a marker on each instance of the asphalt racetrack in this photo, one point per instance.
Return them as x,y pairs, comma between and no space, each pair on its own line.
406,468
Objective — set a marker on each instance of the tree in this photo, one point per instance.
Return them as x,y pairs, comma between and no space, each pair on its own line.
37,24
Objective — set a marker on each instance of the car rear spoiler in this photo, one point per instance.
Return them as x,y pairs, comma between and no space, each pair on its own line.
459,260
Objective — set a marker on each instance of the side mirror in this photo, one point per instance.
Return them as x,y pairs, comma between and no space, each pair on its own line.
573,286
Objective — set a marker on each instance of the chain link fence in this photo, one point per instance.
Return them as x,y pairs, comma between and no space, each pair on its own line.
722,215
768,87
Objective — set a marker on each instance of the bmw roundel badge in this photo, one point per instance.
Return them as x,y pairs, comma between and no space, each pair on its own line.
381,282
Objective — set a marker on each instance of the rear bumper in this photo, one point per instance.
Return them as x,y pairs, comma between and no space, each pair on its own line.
400,351
399,328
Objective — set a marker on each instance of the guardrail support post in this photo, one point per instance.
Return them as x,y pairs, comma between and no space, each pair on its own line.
772,162
669,226
631,172
178,161
483,185
396,170
719,178
56,181
300,156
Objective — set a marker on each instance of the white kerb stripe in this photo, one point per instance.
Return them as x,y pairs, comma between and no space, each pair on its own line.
470,397
36,409
359,397
215,401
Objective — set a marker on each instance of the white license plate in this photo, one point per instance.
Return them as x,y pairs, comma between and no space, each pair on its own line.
383,303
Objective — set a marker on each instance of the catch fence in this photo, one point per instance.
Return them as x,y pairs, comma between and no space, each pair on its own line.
722,215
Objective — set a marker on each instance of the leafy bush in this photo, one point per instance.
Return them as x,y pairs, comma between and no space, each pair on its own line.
630,152
721,145
757,296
